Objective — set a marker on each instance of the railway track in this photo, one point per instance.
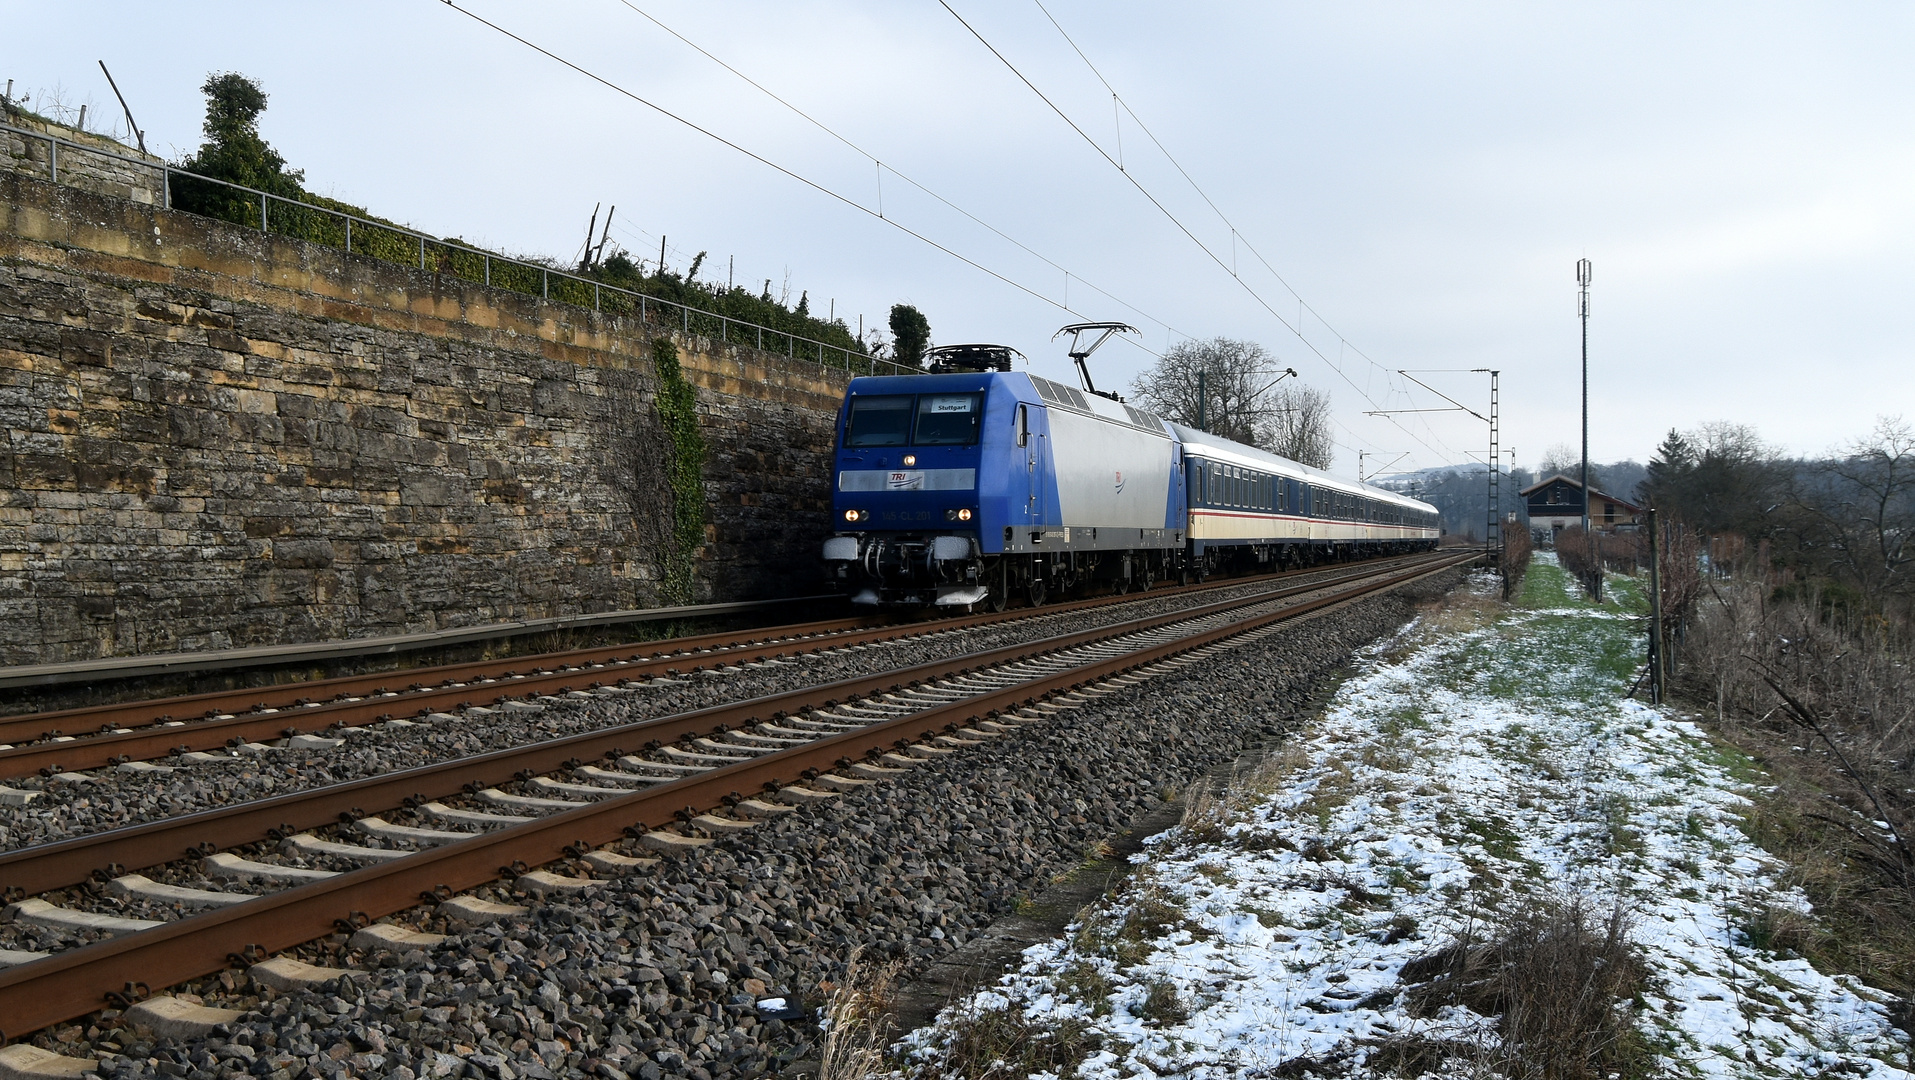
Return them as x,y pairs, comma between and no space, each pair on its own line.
76,740
705,773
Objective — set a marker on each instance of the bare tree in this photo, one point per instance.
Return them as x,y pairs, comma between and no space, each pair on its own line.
1229,388
1299,425
1858,510
1560,458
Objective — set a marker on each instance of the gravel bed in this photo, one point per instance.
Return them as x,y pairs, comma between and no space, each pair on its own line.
111,799
661,974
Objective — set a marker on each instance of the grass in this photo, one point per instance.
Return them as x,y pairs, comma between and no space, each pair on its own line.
1002,1043
1860,926
1537,984
855,1031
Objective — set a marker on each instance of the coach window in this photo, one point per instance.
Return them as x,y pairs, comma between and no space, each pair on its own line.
948,419
879,421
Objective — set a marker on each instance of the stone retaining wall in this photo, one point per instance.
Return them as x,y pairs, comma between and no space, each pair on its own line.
217,438
102,173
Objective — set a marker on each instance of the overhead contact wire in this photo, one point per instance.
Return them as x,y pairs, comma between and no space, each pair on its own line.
761,159
1237,235
893,170
1174,220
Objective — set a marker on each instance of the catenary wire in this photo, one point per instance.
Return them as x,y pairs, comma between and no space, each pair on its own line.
892,169
767,162
1174,220
1236,234
805,180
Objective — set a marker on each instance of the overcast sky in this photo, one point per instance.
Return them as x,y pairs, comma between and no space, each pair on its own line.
1423,176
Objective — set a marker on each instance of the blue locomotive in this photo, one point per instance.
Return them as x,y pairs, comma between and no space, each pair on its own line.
971,485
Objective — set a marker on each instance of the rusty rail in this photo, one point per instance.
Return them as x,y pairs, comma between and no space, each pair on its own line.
63,863
74,983
153,739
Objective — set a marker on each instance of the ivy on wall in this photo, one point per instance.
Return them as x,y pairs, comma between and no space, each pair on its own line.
677,405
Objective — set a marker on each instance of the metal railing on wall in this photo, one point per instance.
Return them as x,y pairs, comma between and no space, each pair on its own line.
393,243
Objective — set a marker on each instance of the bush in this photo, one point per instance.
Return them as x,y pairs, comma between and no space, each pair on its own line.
1514,560
1559,977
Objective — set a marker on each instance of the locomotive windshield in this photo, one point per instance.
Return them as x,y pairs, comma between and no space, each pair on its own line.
879,421
948,419
941,420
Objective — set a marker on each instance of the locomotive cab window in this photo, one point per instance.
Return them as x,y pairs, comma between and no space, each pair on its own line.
948,419
1023,424
879,421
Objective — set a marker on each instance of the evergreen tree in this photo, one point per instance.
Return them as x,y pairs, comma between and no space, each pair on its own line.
234,152
1672,463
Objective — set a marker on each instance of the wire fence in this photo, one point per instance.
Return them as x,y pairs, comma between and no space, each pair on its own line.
277,215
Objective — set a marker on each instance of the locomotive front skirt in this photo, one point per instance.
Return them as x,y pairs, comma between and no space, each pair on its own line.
969,488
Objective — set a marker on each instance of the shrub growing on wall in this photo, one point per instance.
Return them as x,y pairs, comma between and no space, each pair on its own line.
677,405
910,334
235,152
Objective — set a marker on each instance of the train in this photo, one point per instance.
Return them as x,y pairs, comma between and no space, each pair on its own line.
972,485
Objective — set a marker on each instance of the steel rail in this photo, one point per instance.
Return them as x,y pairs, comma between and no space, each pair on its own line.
119,668
76,982
35,751
30,727
46,867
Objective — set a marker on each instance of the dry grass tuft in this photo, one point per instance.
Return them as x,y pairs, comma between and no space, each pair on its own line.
856,1031
1000,1043
1209,812
1559,977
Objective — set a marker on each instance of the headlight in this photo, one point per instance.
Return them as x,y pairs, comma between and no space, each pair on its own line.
910,459
958,515
856,515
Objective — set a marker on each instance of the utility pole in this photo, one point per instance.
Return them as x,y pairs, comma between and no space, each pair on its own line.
1584,272
1657,667
1200,399
1494,534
